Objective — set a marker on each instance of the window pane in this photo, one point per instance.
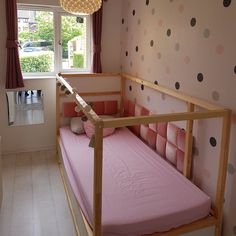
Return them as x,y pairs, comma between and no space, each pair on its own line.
36,36
73,42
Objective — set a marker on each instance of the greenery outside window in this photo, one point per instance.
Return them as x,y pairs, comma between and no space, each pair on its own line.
52,41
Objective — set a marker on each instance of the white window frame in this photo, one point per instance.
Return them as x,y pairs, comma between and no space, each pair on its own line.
57,13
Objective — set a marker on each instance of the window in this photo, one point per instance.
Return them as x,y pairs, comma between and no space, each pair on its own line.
53,41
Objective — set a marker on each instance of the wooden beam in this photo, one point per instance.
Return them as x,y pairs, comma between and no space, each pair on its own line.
87,110
97,182
222,172
137,120
94,94
184,97
200,224
122,98
188,145
57,111
89,75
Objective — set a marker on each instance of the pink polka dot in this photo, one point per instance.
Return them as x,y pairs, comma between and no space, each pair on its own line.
168,70
220,49
181,8
160,22
187,60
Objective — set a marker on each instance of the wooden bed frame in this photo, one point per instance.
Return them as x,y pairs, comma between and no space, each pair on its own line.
209,111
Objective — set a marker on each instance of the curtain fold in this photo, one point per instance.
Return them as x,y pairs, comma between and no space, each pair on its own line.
97,36
14,78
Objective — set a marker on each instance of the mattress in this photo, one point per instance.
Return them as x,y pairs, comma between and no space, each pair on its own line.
142,193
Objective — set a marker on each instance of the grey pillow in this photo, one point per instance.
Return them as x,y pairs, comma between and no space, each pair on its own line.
76,125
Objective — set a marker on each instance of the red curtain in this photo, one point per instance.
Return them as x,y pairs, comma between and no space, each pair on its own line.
97,35
14,78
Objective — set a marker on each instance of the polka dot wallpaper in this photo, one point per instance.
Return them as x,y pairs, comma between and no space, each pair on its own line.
188,46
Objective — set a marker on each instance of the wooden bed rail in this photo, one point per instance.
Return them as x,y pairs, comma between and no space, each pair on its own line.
138,120
211,111
83,106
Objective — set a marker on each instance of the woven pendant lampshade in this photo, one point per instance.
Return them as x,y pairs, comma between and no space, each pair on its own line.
81,6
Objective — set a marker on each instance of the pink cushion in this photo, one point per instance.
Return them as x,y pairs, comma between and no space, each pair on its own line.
161,145
151,138
162,129
89,129
137,110
131,108
181,140
180,160
144,132
98,107
153,127
69,109
171,153
126,108
110,107
172,132
145,112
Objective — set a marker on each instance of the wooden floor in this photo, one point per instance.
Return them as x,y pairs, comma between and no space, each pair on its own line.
34,201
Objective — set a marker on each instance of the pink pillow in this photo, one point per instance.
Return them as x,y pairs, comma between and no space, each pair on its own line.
89,129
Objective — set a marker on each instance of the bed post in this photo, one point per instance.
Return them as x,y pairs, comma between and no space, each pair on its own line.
122,94
57,119
97,184
188,144
224,150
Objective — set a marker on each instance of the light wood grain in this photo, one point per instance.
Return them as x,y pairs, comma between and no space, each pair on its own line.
137,120
95,94
188,144
97,187
90,75
222,172
34,201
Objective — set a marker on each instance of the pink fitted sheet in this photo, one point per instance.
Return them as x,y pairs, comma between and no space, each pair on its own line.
142,193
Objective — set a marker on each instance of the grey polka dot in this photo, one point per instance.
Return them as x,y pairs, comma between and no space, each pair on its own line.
215,96
177,47
153,11
142,57
163,96
234,230
151,43
148,98
159,55
135,100
131,64
127,29
139,22
206,33
231,169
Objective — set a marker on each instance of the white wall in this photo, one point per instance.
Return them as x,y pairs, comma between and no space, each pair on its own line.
35,137
111,34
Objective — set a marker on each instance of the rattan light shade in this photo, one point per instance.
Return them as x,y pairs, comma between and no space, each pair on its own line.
81,6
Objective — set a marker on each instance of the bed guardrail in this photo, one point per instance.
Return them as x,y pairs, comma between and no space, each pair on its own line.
210,111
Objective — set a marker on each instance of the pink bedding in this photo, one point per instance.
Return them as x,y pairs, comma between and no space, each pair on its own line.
142,193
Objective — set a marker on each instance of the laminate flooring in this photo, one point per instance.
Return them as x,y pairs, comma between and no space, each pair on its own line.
34,200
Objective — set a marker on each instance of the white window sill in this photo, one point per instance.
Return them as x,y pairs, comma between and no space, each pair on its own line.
38,77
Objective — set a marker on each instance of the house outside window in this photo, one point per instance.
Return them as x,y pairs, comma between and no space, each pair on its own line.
53,41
